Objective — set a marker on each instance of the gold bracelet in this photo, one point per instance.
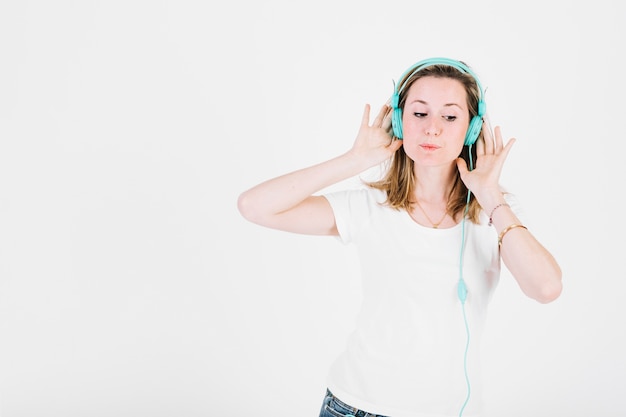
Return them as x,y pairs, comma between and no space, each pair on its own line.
506,229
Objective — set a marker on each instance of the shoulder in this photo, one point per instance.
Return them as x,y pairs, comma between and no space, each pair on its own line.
355,210
357,197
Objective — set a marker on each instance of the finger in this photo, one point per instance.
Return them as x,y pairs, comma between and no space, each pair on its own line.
462,166
498,141
480,146
488,136
387,120
395,144
365,120
507,148
502,156
381,116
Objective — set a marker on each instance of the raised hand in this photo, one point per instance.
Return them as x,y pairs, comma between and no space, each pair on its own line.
374,144
484,179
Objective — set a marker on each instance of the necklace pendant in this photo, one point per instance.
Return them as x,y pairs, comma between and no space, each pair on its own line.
435,225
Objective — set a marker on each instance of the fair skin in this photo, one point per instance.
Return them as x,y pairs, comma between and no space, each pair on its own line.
435,119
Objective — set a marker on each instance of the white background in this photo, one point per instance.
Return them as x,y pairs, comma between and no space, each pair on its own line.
131,286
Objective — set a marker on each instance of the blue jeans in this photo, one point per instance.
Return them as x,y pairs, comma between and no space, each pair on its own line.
334,407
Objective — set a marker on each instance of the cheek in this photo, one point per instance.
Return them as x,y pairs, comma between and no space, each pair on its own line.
410,124
411,146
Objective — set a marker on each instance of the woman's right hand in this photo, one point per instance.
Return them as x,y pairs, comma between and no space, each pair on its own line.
289,203
373,143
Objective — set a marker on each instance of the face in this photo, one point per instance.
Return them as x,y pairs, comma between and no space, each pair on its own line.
435,119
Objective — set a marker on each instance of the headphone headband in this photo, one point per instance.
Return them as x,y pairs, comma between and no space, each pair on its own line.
475,124
437,61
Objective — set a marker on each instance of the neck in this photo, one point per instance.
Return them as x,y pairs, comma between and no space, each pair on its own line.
434,184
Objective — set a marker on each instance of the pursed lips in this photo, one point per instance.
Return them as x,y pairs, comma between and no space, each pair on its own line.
429,146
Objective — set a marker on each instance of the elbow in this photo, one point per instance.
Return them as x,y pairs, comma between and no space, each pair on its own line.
549,293
252,209
550,290
245,207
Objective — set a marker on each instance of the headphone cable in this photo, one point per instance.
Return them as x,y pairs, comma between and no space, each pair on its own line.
462,292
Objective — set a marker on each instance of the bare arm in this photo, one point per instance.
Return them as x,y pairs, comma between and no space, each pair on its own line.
533,267
288,202
531,264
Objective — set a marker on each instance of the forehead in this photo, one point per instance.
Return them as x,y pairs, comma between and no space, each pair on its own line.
435,89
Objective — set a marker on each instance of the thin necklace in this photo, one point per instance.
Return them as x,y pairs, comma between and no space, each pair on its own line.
435,225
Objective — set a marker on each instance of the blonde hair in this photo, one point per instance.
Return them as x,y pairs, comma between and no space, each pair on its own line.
398,182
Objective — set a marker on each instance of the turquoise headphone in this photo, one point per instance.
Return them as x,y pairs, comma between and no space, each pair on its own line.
396,117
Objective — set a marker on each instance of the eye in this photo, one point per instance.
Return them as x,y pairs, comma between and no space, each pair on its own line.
417,114
450,118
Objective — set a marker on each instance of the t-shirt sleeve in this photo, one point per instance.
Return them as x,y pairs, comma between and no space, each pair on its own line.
352,211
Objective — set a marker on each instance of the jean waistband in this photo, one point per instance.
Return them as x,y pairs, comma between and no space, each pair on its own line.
355,411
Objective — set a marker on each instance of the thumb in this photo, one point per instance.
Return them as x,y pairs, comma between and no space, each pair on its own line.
462,166
395,144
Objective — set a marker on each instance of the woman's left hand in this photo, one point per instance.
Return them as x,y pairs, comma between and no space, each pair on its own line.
484,179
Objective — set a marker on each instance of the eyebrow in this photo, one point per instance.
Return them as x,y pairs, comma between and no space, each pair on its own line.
445,105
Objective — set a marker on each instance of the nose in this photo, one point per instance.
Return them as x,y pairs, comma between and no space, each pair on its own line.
432,127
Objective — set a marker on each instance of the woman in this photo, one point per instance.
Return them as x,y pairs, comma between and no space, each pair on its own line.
431,234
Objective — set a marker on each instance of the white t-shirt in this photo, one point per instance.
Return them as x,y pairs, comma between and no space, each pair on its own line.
405,357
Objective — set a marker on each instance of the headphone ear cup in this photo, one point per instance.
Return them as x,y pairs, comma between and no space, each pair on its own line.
473,130
396,122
